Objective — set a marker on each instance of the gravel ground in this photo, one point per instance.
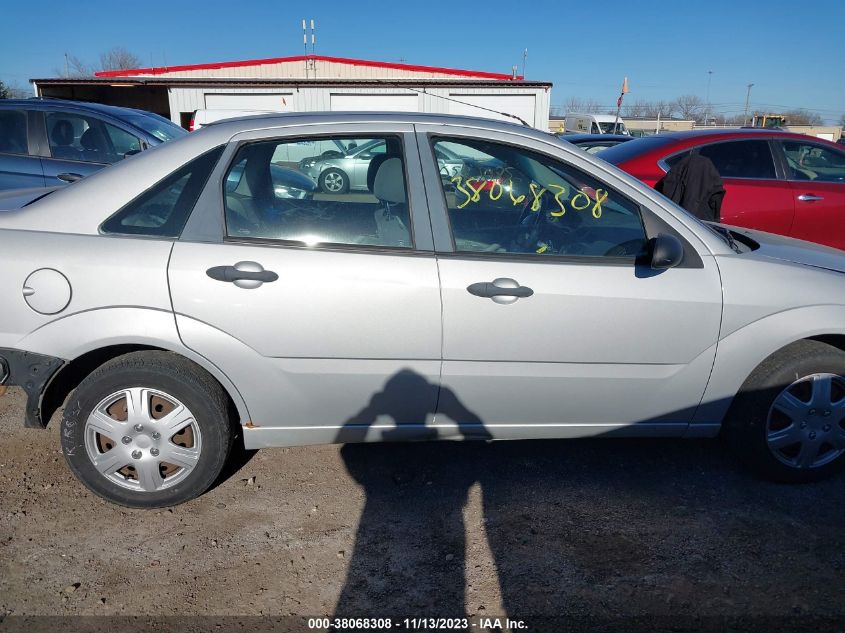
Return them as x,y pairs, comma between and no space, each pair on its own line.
603,528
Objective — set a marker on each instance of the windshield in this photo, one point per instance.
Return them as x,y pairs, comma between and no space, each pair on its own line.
159,127
608,128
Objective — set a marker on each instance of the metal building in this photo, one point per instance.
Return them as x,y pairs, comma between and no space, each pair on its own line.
308,83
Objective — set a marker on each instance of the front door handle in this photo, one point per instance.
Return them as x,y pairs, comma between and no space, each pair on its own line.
809,197
247,275
502,290
69,177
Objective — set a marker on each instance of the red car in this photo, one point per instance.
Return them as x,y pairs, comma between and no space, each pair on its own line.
776,181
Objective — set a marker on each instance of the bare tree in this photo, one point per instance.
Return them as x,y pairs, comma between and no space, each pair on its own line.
13,91
690,107
118,58
799,116
74,68
582,106
635,110
655,109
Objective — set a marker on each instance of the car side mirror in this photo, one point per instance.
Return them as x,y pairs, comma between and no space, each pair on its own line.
666,251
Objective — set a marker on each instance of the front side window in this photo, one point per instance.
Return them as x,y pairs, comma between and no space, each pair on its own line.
809,161
503,199
320,191
163,210
88,139
13,132
741,159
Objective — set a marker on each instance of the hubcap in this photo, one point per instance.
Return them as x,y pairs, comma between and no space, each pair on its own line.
805,424
142,439
334,181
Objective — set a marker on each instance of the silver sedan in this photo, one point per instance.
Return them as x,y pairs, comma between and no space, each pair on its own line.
175,308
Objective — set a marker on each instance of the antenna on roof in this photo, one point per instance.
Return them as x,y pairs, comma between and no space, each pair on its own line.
309,62
423,92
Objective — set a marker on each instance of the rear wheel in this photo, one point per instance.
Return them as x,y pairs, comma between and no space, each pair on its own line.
788,421
147,429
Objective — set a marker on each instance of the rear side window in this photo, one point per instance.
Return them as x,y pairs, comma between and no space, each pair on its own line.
163,210
741,159
677,158
88,139
13,132
320,191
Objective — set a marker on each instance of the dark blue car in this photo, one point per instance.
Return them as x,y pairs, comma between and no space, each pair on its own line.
50,142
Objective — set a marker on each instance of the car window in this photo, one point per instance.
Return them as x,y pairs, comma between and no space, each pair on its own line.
677,158
13,132
502,199
122,142
162,210
331,198
810,161
89,139
741,159
158,126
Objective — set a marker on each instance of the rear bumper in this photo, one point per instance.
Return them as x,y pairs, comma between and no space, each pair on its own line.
31,372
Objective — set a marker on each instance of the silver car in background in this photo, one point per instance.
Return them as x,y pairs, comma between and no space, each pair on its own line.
184,300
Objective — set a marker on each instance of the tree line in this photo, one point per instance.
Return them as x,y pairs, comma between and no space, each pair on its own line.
686,107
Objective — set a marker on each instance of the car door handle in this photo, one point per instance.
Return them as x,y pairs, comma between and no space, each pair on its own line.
809,197
505,289
247,275
69,177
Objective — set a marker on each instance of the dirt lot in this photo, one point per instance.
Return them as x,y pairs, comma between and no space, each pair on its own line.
603,528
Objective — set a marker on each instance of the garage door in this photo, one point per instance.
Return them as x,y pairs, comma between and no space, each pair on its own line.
275,102
520,105
388,103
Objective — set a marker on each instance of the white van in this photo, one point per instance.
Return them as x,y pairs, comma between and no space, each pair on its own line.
593,124
204,117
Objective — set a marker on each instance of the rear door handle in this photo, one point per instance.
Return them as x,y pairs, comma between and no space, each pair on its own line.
502,290
69,177
247,275
809,197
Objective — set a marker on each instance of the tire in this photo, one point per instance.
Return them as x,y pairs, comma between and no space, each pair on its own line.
334,181
781,414
185,420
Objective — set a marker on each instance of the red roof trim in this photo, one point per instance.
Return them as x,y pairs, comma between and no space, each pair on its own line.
298,58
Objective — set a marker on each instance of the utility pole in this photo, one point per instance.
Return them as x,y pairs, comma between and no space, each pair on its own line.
707,113
67,70
524,57
747,100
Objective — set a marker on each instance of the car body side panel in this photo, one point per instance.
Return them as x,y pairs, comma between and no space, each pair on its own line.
122,326
768,305
819,211
298,401
99,271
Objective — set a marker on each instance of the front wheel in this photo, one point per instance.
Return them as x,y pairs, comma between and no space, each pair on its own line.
146,430
334,181
788,420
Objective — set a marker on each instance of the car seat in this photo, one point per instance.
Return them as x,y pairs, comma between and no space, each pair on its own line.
61,141
94,146
392,214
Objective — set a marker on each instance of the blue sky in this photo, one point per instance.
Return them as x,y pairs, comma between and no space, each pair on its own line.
792,52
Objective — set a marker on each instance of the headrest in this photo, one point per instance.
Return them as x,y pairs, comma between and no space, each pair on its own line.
92,139
372,170
389,184
62,133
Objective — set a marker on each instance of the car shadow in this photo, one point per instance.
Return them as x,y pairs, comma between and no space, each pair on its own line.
609,527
